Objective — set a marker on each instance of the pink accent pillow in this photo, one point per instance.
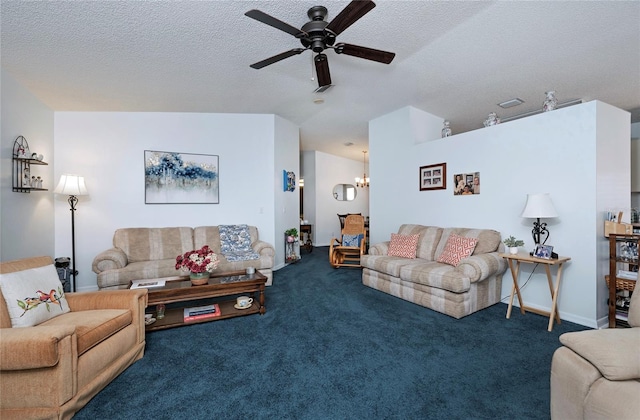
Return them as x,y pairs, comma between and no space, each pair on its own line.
403,245
457,248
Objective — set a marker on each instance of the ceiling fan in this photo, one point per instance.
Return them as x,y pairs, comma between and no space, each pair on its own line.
318,35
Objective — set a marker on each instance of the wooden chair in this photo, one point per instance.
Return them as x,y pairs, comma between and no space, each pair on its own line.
343,254
342,217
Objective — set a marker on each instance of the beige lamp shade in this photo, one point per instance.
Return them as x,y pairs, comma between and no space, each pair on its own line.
71,185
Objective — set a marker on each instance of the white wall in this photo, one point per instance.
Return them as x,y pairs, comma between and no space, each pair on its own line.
108,150
287,203
322,172
560,152
26,220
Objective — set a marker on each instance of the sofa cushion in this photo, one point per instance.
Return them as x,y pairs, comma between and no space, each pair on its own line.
33,295
614,351
428,241
149,244
139,270
94,326
386,264
456,249
404,246
437,275
488,240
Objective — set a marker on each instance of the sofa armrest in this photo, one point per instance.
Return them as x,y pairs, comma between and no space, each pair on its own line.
379,249
34,347
263,248
614,351
110,259
134,300
482,266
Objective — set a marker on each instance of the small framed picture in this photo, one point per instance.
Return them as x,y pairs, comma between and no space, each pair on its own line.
433,177
543,251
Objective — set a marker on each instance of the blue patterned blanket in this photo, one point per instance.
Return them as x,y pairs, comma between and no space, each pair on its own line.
235,243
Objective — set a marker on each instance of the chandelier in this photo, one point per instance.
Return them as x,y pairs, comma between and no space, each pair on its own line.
364,181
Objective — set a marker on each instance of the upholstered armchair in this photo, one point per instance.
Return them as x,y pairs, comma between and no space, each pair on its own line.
596,375
53,368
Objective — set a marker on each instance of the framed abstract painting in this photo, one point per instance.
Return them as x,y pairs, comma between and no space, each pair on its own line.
181,178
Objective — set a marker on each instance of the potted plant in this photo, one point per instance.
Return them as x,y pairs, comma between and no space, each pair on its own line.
291,234
512,243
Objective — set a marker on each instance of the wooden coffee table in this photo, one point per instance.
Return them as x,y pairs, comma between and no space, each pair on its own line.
179,289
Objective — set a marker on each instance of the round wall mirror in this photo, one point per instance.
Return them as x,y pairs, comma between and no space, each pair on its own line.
344,192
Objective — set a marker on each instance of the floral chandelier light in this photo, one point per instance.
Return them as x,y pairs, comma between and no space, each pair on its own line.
364,181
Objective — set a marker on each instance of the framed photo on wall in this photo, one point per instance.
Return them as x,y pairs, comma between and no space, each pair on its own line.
180,178
466,184
433,177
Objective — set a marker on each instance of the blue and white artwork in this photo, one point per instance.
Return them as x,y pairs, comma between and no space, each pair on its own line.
180,178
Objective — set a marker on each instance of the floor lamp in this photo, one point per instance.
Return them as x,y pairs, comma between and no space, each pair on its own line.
73,186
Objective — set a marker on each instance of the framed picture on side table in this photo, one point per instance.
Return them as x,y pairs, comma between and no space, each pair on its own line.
433,177
543,251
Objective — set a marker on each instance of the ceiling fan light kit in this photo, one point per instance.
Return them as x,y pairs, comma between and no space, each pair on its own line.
318,35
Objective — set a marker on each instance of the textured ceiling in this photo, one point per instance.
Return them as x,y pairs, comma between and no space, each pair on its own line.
454,59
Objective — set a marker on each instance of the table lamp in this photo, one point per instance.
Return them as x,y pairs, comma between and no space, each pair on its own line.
73,186
539,206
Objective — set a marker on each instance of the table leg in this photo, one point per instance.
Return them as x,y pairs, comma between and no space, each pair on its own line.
515,272
554,294
262,308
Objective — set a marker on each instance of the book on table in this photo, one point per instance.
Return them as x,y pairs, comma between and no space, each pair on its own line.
201,312
147,284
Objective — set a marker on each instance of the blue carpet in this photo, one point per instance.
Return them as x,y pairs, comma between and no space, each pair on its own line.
329,347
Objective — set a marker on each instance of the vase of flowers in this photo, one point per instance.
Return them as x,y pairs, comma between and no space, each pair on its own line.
200,263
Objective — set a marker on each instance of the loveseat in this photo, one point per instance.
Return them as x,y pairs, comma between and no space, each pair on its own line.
52,369
147,253
596,374
455,288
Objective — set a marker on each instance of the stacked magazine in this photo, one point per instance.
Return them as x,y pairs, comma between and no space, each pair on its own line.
201,312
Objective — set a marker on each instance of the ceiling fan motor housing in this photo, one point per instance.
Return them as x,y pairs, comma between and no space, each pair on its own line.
318,37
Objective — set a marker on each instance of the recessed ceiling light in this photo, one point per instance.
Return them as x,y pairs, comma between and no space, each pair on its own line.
510,103
318,101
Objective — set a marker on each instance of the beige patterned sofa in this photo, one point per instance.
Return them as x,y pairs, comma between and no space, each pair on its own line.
145,253
456,291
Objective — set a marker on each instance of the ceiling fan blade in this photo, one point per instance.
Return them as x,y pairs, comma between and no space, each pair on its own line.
276,58
349,15
276,23
322,70
366,53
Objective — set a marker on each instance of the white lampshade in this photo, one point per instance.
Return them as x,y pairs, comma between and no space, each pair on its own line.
71,185
539,206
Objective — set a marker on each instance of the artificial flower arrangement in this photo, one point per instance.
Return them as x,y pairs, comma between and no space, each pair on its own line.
198,261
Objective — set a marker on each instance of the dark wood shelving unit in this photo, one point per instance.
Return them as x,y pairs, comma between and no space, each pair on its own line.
621,260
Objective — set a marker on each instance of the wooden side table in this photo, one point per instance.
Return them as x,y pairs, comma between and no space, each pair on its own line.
514,261
306,244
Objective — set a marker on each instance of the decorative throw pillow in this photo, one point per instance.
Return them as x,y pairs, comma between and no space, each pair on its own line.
351,240
403,245
457,248
33,296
